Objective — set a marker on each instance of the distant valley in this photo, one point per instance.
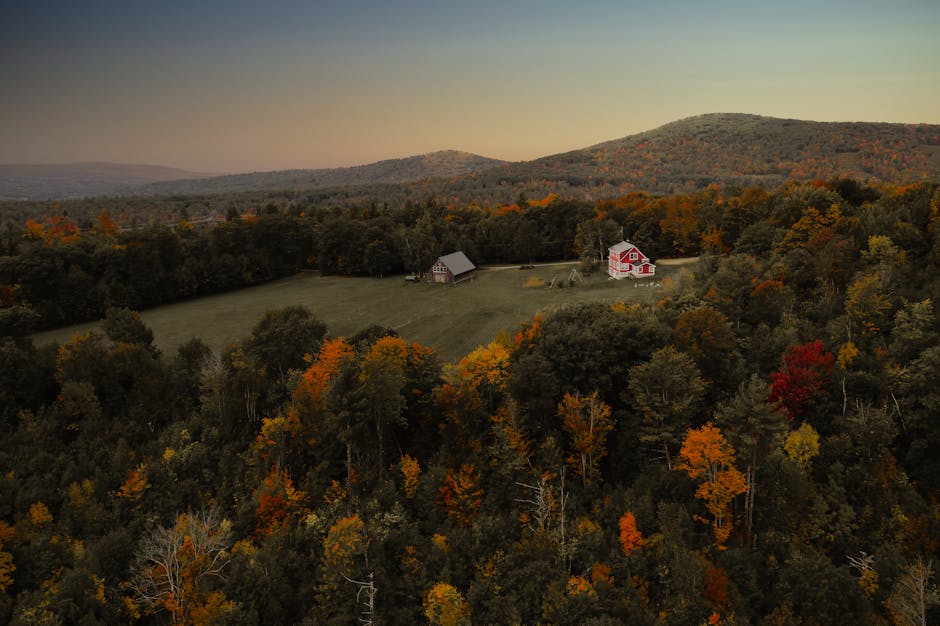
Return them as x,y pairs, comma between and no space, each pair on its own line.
78,180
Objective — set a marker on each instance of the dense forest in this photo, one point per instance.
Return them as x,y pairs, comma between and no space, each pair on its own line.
757,448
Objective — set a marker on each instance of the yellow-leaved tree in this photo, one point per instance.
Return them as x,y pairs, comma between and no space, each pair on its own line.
802,445
444,605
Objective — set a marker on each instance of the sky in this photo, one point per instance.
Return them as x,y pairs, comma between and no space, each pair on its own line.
235,86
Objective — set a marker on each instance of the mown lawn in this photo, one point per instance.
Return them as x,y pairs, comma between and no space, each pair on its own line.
452,319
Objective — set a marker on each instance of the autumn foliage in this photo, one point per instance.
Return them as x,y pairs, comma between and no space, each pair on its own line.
706,456
805,372
52,230
178,567
482,492
410,473
6,559
344,539
134,484
391,351
444,605
486,365
587,421
462,494
716,587
278,502
309,394
630,536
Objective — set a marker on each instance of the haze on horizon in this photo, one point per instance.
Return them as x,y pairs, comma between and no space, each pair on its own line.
237,86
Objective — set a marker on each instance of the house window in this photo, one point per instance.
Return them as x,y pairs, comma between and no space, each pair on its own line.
440,269
633,256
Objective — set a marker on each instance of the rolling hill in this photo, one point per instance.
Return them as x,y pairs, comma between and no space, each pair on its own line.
77,180
718,148
689,154
683,156
742,149
443,164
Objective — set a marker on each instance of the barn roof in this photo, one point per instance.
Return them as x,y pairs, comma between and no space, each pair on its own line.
457,263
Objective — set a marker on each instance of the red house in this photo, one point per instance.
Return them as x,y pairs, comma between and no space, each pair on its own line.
625,259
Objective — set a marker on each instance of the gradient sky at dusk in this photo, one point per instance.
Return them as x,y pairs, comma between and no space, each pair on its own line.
230,86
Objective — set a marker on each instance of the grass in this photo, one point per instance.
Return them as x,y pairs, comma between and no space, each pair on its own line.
452,319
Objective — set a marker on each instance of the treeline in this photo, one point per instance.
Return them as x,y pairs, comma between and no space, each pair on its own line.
55,272
758,448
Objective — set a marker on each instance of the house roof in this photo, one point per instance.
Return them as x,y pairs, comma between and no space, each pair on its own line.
622,246
457,263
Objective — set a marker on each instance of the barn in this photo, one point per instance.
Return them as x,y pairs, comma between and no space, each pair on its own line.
625,259
451,268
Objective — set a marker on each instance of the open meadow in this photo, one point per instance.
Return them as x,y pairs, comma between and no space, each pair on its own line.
452,319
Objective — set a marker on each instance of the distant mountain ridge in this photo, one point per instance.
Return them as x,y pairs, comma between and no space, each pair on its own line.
689,154
441,164
76,180
743,149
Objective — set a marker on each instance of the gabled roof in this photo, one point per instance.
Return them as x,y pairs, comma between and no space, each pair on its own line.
623,246
457,263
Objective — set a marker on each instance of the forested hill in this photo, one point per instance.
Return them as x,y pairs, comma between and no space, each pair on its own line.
741,149
71,180
687,155
441,164
730,150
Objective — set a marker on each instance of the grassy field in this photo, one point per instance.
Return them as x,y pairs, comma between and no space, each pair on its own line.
452,319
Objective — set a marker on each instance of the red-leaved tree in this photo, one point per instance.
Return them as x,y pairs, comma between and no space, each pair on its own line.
806,369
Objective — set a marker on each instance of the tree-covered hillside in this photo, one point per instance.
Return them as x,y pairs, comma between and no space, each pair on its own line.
744,149
729,150
758,448
442,164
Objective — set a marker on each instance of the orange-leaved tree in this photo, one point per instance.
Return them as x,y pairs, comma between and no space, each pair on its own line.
278,502
708,457
630,536
134,484
175,568
105,225
587,421
308,395
462,494
6,559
